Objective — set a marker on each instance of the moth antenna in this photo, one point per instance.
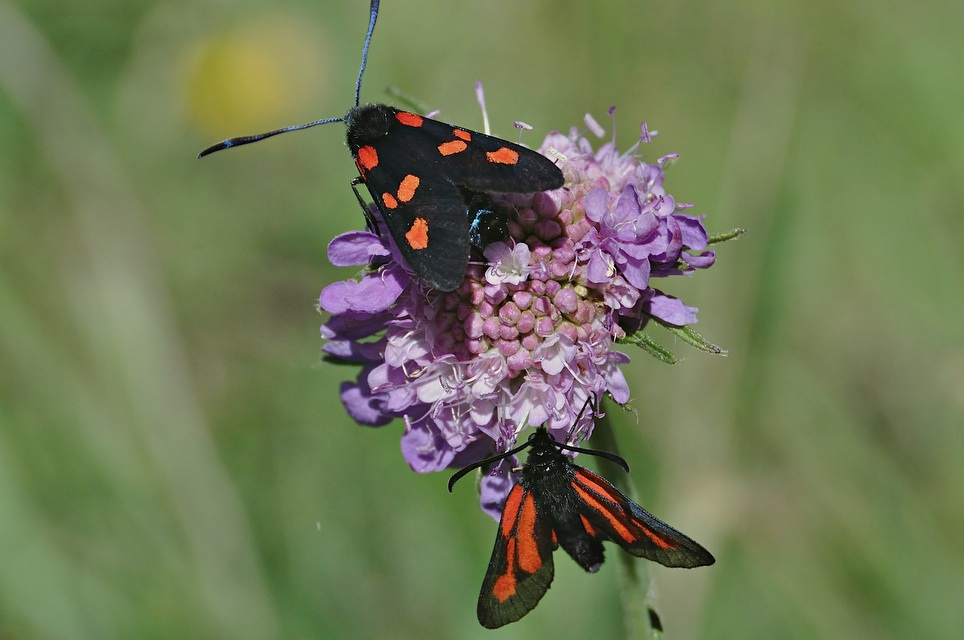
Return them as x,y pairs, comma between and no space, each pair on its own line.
242,140
612,457
364,53
475,465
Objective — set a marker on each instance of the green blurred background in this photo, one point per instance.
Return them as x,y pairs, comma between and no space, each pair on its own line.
174,461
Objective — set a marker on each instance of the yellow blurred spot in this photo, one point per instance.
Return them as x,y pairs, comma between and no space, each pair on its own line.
256,77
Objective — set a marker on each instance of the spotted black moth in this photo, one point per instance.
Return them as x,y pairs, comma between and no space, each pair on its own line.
430,180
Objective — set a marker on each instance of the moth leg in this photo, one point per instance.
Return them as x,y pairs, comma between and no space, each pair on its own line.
370,221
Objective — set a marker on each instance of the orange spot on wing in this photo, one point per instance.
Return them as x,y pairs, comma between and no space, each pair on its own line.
510,512
504,155
406,189
417,235
529,558
504,586
409,119
521,549
463,134
452,147
389,200
367,158
587,526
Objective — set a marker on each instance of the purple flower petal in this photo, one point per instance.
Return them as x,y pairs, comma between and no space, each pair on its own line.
362,406
601,268
702,261
671,310
355,248
371,295
353,326
351,351
596,203
495,486
425,450
693,231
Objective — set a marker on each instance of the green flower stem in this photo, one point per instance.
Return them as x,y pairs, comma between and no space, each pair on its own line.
726,235
639,613
651,347
690,337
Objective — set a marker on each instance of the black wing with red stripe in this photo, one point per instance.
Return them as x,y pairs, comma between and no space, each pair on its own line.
558,503
607,514
520,570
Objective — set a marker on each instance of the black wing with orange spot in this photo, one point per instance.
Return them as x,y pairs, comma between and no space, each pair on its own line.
474,160
426,178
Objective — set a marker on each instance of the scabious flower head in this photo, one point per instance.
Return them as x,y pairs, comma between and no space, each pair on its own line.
532,331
